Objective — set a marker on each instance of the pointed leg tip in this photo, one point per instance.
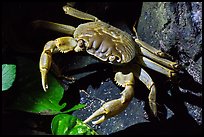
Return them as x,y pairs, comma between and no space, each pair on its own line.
100,120
45,87
44,79
95,122
100,112
85,121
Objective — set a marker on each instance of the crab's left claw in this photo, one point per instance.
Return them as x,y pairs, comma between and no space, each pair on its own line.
114,107
44,78
63,45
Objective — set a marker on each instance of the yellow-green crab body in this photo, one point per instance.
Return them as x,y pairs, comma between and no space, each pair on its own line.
112,45
106,42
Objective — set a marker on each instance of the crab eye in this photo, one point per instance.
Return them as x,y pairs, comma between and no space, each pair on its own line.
80,43
114,59
118,59
111,58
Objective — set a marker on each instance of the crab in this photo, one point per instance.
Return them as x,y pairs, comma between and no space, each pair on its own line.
128,54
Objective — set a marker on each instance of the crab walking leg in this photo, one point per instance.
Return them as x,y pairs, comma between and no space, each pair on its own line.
114,107
79,14
151,49
143,76
148,47
64,45
157,67
66,29
165,62
153,53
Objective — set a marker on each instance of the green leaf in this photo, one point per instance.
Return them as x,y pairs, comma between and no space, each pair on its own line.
64,124
30,96
61,123
8,75
76,107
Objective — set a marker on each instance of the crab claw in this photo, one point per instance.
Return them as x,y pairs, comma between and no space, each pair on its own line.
44,79
108,110
44,64
113,107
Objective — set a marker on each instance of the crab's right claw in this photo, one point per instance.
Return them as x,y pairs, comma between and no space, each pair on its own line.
114,107
108,110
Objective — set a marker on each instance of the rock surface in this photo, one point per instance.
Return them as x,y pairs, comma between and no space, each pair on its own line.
176,28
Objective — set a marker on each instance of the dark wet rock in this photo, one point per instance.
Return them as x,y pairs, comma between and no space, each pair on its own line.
176,28
195,70
173,27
